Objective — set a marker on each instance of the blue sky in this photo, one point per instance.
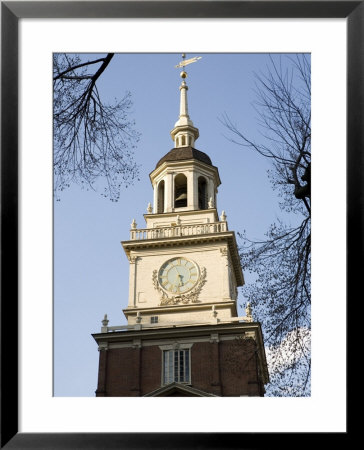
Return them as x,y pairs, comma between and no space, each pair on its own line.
91,271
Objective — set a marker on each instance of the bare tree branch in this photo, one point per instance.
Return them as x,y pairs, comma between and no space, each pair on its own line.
78,66
93,141
281,262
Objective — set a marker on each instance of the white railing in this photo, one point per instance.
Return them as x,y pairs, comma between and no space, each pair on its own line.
177,231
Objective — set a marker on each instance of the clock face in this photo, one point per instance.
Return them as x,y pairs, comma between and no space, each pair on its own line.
178,275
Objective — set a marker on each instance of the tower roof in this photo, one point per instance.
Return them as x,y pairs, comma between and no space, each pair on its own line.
185,153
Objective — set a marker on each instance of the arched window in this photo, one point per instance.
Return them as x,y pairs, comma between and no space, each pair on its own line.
202,193
183,140
180,191
161,197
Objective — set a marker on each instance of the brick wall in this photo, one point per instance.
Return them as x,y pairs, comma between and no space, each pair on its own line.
226,368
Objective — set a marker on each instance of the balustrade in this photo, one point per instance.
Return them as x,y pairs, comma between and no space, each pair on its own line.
178,231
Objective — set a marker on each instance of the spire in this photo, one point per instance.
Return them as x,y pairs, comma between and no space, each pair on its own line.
184,118
184,133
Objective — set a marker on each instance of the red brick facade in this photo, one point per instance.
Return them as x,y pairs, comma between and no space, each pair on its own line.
228,366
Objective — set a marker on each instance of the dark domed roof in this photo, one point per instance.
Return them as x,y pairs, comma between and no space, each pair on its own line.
181,153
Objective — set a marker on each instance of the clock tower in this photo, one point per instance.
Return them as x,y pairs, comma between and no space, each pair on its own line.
183,336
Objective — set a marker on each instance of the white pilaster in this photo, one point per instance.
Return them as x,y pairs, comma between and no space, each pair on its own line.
225,285
195,190
190,190
132,281
168,192
155,198
211,190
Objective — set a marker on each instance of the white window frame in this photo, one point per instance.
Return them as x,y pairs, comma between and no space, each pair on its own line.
172,349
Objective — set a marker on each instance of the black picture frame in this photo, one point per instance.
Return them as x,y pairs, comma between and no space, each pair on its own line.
11,12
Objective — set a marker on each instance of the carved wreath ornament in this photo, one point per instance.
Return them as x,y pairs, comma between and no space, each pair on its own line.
191,296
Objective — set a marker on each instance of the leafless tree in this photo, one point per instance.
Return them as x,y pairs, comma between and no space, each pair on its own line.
281,262
94,141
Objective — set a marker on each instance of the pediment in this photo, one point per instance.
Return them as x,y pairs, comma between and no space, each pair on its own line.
178,390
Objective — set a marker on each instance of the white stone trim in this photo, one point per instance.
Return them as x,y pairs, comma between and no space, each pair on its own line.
214,338
103,346
184,342
132,280
181,250
198,168
137,343
177,345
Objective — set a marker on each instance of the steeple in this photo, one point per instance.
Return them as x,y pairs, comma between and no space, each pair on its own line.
185,179
184,275
184,133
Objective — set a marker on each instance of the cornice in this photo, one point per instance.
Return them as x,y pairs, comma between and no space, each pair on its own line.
228,236
180,308
179,332
173,214
186,165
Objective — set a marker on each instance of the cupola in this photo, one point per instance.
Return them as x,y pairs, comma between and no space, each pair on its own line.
184,179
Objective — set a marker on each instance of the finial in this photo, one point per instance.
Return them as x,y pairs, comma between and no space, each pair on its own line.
248,311
223,216
183,74
149,208
105,321
133,224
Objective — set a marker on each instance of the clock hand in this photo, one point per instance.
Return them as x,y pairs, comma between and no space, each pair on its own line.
180,283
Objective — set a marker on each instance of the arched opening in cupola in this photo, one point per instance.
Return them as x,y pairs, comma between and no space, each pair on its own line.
202,193
160,203
180,191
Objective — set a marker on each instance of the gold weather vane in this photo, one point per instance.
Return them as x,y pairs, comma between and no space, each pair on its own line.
185,62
